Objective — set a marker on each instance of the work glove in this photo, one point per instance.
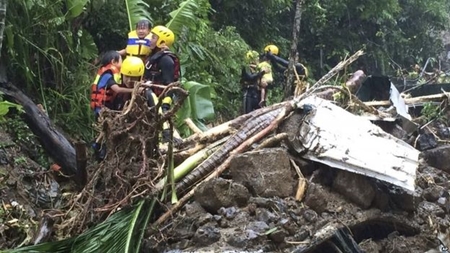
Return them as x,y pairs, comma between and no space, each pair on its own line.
269,55
261,73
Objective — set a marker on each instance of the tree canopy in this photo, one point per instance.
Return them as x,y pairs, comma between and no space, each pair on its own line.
50,46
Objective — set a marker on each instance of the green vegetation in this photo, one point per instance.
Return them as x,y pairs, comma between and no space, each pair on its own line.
50,48
51,56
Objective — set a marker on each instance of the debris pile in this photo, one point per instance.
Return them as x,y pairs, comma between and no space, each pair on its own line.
305,175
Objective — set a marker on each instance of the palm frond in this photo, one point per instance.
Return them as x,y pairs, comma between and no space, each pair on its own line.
184,16
136,10
122,232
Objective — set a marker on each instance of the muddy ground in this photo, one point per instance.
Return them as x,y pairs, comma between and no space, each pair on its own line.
252,208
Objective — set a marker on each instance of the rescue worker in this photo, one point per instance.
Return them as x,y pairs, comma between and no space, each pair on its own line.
162,67
280,64
139,40
250,81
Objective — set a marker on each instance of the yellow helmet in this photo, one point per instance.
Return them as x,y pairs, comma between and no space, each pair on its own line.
271,48
132,66
165,35
252,55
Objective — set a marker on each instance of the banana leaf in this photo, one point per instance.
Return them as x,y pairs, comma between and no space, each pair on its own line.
184,16
122,232
137,10
198,106
75,8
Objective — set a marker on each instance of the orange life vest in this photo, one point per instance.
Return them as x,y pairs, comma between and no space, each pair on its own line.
100,94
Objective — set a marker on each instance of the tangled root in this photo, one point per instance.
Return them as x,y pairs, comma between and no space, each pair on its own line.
132,165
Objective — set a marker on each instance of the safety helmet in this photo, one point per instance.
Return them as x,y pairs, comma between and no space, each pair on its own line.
252,55
165,35
132,66
143,23
271,48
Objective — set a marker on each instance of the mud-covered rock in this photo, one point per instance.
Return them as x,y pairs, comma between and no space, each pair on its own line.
264,215
217,193
316,198
236,238
266,173
206,235
406,201
433,193
356,188
426,141
431,209
438,157
278,236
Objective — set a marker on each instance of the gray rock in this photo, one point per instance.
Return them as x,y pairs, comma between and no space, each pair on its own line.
266,173
278,236
431,208
310,215
438,157
354,187
264,215
316,198
217,193
258,226
237,240
206,235
433,193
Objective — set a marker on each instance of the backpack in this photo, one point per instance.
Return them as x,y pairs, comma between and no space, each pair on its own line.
153,61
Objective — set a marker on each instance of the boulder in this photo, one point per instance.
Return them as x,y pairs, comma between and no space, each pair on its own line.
354,187
266,173
438,157
217,193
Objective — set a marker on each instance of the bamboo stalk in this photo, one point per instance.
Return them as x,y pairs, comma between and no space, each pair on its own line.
192,126
190,163
411,101
341,65
272,141
225,128
241,148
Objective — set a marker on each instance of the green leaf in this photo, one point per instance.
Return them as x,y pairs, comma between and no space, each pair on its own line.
122,232
198,106
200,100
6,105
184,16
136,10
76,7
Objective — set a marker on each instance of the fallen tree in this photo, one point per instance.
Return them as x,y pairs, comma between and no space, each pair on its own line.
53,141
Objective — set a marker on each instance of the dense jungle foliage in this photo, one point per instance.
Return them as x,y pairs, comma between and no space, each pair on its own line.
50,46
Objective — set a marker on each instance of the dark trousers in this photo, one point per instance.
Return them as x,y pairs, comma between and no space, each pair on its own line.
252,97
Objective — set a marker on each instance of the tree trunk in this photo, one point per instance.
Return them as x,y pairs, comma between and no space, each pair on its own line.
289,88
54,143
3,4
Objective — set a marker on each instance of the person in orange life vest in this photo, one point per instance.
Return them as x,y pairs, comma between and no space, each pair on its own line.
111,87
108,82
138,43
